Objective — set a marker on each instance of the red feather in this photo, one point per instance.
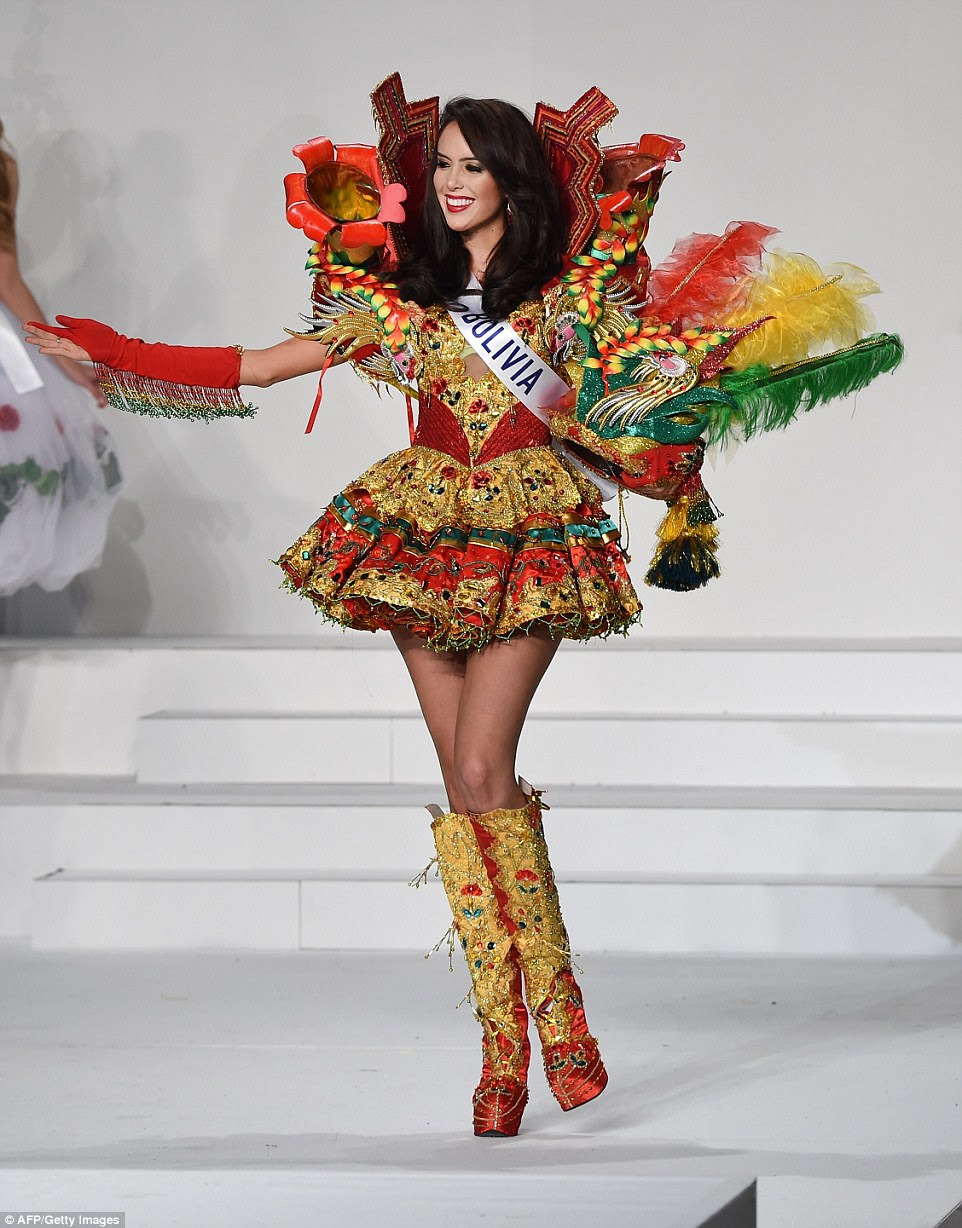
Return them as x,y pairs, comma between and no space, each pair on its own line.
704,273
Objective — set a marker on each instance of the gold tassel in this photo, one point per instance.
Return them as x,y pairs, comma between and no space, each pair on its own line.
684,558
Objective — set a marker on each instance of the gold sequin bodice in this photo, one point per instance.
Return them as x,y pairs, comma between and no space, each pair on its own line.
480,401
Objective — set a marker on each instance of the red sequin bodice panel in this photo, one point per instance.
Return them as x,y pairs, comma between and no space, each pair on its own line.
440,429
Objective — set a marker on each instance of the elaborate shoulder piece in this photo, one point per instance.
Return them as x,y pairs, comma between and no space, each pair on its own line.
409,134
340,199
571,143
363,317
605,283
342,202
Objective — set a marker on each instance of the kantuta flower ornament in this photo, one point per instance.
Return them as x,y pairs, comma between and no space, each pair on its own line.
341,198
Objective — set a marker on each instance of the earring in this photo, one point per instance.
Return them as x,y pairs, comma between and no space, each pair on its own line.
507,212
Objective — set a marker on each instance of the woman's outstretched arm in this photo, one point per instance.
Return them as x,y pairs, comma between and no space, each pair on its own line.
287,359
258,368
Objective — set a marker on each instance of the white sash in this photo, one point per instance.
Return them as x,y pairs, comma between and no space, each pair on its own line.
16,361
526,376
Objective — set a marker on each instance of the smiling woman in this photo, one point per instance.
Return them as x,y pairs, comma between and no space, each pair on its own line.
495,211
513,300
469,194
471,199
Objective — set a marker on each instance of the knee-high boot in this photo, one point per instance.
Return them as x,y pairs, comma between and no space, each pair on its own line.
502,1093
516,856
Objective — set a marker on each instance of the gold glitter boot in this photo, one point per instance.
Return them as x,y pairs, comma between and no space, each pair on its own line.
516,856
502,1093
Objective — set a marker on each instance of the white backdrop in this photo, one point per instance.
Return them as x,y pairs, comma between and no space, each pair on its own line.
153,139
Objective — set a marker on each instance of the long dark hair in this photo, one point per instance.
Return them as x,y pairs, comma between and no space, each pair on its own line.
503,140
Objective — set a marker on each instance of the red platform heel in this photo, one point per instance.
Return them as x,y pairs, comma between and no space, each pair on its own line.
516,857
501,1095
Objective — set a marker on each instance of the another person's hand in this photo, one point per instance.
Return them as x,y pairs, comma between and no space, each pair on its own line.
83,376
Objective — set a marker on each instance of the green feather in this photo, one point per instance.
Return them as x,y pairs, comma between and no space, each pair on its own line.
768,398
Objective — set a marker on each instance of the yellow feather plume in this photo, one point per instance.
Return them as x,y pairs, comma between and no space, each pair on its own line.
814,309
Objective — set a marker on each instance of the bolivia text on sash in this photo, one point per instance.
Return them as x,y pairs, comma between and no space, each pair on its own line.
516,365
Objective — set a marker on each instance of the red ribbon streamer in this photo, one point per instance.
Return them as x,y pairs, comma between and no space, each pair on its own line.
320,392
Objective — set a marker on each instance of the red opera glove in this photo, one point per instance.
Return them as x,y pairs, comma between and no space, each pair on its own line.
203,367
171,381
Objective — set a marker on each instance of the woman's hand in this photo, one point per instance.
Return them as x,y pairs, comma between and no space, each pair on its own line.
49,342
260,368
68,356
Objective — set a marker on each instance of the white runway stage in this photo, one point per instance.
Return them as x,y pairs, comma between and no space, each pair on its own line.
334,1088
762,874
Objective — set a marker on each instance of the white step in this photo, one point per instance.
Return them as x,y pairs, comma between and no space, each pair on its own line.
71,705
615,749
274,911
363,1197
818,835
126,826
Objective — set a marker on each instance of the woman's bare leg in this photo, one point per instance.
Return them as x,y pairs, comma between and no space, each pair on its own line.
499,683
474,705
438,679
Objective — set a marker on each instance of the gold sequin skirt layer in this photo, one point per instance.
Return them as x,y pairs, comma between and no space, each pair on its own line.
461,556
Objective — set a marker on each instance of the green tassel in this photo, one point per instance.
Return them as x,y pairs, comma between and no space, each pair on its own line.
768,398
683,565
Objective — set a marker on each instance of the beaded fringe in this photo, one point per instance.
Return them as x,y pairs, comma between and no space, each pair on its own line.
140,395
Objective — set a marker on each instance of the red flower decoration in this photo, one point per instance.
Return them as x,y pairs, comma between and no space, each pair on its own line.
9,418
430,325
342,189
471,889
525,324
477,406
480,478
438,386
527,876
449,472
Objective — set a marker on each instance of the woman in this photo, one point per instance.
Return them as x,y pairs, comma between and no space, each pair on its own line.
480,547
58,473
476,680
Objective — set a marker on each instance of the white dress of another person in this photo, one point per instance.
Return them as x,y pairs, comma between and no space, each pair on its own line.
59,475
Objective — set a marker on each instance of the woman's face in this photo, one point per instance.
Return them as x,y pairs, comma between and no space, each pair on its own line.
469,195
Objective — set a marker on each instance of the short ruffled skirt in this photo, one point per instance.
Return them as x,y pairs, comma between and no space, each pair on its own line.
461,556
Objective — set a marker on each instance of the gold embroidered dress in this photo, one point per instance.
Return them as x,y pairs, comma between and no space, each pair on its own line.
477,531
